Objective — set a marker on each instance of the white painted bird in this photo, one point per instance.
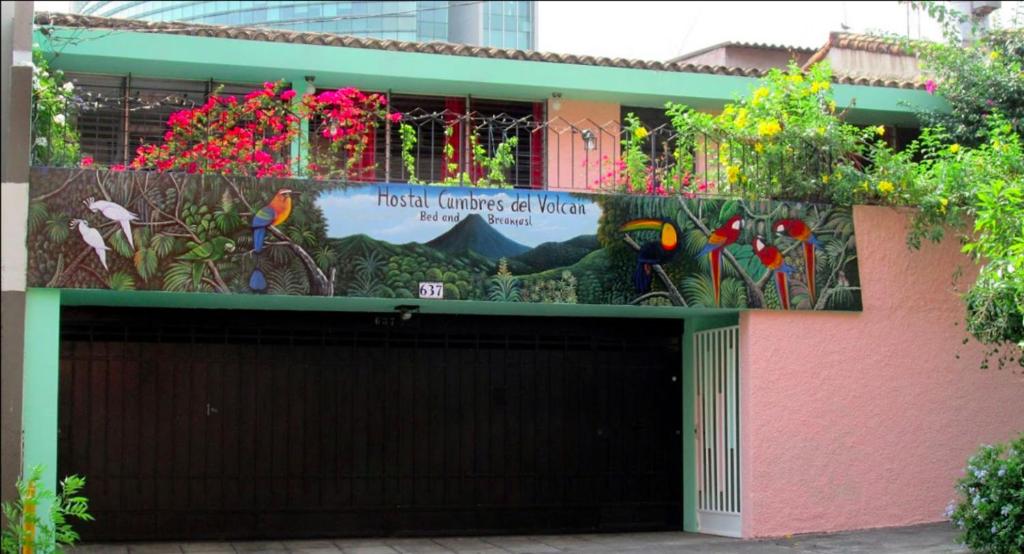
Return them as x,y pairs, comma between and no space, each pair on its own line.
93,238
114,212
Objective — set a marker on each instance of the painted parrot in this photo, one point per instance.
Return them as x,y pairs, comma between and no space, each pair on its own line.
209,251
659,251
274,213
93,238
799,231
115,212
771,258
717,241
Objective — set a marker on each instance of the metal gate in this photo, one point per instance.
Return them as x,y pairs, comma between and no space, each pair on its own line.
716,357
229,424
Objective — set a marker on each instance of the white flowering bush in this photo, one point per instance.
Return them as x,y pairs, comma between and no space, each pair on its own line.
54,137
990,510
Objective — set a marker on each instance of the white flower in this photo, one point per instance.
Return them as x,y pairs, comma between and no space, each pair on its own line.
1001,472
950,508
980,474
976,500
1006,510
994,531
68,87
41,141
59,119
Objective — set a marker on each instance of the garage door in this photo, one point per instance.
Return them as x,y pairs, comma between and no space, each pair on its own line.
229,424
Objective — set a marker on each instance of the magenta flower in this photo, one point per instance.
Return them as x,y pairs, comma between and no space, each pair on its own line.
930,86
287,95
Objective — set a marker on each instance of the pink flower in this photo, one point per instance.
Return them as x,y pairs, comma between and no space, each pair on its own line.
117,167
395,117
287,95
930,86
87,161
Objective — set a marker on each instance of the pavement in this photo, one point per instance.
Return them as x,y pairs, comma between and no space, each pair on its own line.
918,539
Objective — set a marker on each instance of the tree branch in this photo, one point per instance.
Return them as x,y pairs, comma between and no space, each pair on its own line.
74,175
755,292
648,296
673,292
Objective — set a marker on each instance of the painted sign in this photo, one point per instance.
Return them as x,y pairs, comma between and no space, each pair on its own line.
173,232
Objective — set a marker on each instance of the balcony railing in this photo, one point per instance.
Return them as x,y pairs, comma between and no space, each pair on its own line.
504,150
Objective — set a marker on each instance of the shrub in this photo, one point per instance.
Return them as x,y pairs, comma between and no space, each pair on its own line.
27,532
990,510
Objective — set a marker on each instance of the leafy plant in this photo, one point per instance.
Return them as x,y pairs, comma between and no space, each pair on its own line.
27,532
408,134
990,507
503,286
55,139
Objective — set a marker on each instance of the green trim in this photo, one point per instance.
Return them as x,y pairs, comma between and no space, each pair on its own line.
157,299
41,377
200,58
689,423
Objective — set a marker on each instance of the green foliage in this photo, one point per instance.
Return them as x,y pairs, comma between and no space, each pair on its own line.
408,134
489,170
503,286
990,507
55,140
26,532
552,291
635,158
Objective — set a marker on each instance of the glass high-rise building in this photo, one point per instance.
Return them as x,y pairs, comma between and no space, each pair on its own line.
500,24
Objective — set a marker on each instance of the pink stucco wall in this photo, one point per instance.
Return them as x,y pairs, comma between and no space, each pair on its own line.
858,420
570,165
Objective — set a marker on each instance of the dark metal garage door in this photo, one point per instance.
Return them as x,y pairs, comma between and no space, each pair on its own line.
230,424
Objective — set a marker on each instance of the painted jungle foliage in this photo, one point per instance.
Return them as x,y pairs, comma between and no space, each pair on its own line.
243,235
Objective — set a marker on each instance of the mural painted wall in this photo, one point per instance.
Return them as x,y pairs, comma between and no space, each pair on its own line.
173,232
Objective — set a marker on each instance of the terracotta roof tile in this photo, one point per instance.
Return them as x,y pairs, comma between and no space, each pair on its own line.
440,48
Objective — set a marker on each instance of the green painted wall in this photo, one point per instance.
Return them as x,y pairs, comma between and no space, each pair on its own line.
42,365
186,57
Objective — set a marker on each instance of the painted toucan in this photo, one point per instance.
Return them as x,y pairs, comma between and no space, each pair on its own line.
800,231
274,213
771,258
659,251
717,241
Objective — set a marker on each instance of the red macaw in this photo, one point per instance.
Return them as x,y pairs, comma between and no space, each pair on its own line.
274,213
653,252
771,258
717,241
799,231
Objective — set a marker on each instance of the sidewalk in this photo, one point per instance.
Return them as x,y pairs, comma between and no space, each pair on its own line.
918,539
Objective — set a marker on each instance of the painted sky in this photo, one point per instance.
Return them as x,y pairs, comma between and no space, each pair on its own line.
360,210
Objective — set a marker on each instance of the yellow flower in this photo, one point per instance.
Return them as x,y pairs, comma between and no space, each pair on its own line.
831,105
741,118
865,187
818,86
758,147
759,95
640,132
993,55
821,131
732,173
954,148
943,202
824,179
768,128
885,187
796,79
880,130
729,110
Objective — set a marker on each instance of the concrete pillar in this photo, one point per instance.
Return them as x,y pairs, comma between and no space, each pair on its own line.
16,98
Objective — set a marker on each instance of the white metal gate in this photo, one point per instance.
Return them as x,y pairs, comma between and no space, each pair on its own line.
716,364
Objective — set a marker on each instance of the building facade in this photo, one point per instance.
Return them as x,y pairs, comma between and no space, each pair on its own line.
503,24
252,391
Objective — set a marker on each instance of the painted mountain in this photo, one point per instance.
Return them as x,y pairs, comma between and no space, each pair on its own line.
558,254
473,234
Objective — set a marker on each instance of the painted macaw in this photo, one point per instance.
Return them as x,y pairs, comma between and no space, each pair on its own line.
717,241
93,238
659,251
771,258
115,212
800,231
274,213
